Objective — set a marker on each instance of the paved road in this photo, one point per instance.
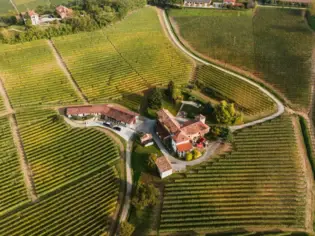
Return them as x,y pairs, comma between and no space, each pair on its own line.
280,107
126,206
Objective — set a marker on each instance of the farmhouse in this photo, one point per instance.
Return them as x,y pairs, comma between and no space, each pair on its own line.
64,12
34,17
182,136
197,3
106,112
164,166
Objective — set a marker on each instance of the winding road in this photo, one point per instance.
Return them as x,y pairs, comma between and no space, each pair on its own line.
280,106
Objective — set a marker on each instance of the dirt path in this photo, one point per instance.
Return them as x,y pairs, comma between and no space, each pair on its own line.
5,98
308,174
66,71
14,6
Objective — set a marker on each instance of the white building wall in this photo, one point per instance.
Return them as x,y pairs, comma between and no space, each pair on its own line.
166,173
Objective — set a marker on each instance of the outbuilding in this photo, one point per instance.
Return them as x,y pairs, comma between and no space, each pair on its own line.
197,3
164,166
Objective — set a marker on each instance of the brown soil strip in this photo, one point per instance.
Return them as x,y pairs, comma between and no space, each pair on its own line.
66,71
308,174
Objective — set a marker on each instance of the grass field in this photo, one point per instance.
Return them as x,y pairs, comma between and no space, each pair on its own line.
59,154
24,5
124,59
260,184
249,99
83,208
5,7
32,76
12,191
274,44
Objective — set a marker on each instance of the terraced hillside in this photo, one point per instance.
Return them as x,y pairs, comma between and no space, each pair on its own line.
124,59
59,154
261,184
12,190
247,97
32,77
272,43
82,208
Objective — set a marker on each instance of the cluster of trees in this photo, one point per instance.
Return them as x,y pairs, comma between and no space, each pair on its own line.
166,2
151,161
146,195
88,15
155,99
126,229
174,92
225,113
194,154
221,132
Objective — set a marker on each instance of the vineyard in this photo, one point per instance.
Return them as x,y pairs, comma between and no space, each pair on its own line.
261,184
12,191
2,107
83,208
32,77
274,44
24,5
124,59
248,98
59,154
5,7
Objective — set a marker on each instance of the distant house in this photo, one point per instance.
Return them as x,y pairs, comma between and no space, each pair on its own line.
64,12
182,135
197,3
164,167
146,140
217,4
229,2
34,17
107,112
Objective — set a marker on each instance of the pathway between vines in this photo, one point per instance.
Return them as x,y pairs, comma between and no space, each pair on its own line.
66,71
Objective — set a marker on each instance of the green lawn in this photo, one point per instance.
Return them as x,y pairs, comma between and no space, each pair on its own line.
143,219
274,44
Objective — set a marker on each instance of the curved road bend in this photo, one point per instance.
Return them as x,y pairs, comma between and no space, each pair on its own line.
280,106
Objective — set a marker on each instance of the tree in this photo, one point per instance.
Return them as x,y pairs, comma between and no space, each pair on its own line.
221,132
225,113
155,99
126,229
145,196
151,160
189,156
170,88
177,95
196,153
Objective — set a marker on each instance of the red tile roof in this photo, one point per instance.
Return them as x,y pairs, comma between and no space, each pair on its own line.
195,127
180,136
109,110
64,11
184,147
163,164
168,120
146,137
32,13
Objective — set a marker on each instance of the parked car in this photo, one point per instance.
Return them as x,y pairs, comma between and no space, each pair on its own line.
117,128
107,124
